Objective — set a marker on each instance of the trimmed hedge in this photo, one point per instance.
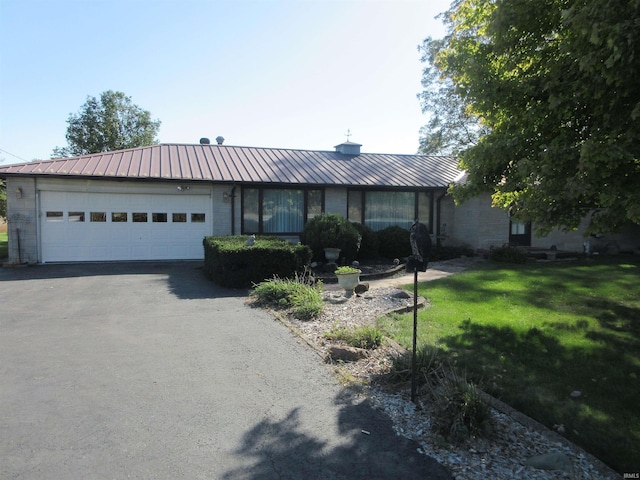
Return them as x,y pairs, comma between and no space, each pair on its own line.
229,262
394,242
369,243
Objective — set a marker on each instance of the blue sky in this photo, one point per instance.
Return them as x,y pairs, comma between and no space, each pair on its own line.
266,73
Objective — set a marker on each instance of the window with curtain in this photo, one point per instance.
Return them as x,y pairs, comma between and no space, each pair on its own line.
386,209
271,210
282,211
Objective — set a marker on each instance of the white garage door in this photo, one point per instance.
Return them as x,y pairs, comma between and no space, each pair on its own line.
79,226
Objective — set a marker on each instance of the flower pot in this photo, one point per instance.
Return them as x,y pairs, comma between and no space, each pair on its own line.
331,254
348,281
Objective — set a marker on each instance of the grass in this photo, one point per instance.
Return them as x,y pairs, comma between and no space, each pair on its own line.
534,333
367,337
303,298
4,244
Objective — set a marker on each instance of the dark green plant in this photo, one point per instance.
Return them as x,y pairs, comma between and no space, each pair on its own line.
508,254
369,243
331,231
459,409
394,242
429,366
439,253
368,337
298,293
229,262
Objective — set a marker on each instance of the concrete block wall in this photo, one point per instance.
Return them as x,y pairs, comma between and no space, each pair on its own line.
477,225
22,221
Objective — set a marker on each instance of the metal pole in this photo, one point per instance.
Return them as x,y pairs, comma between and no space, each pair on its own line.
414,374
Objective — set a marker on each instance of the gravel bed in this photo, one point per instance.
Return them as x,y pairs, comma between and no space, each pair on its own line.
501,456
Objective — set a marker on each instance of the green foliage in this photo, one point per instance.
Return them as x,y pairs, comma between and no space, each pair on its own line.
429,365
439,253
4,244
369,243
331,231
394,242
111,123
298,293
534,332
508,254
368,337
459,410
451,127
554,86
229,262
346,269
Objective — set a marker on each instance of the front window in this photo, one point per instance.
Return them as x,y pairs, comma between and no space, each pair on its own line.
271,210
382,209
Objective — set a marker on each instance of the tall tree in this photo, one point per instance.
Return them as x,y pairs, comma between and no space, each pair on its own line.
452,126
554,83
111,123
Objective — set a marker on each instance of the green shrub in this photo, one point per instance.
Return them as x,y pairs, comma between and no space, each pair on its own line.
429,366
508,254
394,242
229,262
368,337
459,410
369,243
297,293
331,231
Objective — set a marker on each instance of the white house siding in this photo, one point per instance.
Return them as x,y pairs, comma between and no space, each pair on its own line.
22,216
42,241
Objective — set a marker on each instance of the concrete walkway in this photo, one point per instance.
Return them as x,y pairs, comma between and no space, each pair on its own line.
148,370
434,271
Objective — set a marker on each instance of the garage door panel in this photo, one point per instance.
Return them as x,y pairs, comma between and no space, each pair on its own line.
74,237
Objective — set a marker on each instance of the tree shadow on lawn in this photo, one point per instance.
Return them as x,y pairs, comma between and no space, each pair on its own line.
535,373
282,449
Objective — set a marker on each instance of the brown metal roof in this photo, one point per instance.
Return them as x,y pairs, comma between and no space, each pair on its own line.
224,163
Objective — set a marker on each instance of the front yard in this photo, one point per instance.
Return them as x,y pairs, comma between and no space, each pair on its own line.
558,341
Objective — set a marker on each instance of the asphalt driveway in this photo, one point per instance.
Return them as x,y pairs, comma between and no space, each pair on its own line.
148,370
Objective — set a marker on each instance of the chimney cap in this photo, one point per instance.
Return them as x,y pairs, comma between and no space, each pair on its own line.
204,141
219,139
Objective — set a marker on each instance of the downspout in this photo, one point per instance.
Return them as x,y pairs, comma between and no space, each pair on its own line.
232,195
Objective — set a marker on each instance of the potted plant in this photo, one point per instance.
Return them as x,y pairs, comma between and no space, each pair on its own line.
331,254
348,278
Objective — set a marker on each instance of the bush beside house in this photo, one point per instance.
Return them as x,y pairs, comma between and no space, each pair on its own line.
230,262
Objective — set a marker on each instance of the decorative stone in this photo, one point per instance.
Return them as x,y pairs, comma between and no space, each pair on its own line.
576,394
401,294
361,288
551,461
346,354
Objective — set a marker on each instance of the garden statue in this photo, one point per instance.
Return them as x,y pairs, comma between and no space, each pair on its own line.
420,247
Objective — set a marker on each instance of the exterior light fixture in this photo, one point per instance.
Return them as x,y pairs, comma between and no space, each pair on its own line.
19,192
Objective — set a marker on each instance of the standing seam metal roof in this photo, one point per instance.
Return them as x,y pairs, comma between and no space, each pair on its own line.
223,163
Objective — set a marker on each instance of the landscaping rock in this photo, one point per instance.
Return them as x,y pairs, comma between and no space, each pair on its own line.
576,394
346,354
551,461
361,288
401,294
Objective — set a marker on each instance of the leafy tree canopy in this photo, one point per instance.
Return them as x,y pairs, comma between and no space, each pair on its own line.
553,83
111,123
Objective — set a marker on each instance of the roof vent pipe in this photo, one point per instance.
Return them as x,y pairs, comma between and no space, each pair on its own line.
220,139
204,141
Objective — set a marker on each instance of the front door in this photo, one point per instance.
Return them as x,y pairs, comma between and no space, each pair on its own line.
520,234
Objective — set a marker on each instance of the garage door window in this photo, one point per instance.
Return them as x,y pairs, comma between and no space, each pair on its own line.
55,217
76,216
98,217
159,217
119,217
179,217
139,217
197,218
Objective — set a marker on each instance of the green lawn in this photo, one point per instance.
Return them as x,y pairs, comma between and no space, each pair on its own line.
532,334
4,245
